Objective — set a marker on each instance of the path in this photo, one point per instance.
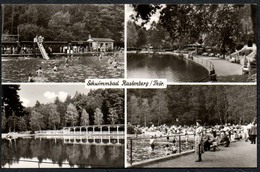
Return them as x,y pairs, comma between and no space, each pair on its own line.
223,67
239,154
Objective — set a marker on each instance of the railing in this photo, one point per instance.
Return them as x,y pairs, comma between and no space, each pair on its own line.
185,54
95,140
209,65
10,38
139,149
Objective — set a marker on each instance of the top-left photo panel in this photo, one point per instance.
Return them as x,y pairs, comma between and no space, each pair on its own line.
62,42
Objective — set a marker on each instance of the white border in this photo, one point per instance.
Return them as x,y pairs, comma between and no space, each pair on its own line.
125,76
125,43
125,89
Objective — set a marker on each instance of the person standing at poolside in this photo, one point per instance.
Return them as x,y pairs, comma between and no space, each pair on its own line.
30,78
152,140
253,132
198,141
34,45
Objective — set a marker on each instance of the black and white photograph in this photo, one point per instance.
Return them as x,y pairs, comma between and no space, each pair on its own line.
192,126
62,126
62,42
192,42
140,85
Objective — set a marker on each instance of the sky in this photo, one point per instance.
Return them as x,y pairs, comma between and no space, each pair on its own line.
155,17
46,93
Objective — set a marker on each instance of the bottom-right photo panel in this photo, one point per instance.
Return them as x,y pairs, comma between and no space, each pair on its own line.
195,126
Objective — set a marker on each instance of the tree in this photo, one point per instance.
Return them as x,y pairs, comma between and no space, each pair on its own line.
65,22
61,109
142,39
78,29
12,121
159,107
225,26
84,121
36,122
113,116
30,15
157,36
221,23
11,103
98,117
146,110
4,121
113,98
71,115
54,116
22,126
133,111
60,25
131,34
211,104
145,11
37,104
29,31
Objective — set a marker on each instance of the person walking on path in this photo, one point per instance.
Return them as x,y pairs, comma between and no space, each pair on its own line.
152,143
198,141
253,133
245,133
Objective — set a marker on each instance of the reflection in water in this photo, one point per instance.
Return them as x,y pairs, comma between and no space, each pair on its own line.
24,151
164,66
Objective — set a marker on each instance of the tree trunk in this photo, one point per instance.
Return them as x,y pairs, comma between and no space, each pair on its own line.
14,122
145,120
253,18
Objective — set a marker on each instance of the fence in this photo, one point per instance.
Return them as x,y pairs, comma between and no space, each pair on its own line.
209,65
139,149
200,60
10,38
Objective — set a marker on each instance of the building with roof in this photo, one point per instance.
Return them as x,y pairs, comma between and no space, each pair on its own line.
101,44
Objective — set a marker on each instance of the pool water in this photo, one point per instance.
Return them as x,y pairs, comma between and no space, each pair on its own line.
79,69
56,153
170,67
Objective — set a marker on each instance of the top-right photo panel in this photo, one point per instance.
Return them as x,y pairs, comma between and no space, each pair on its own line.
192,42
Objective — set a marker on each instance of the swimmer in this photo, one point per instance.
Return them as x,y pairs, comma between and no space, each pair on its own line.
110,61
39,72
20,58
100,57
115,64
66,60
115,54
30,79
55,69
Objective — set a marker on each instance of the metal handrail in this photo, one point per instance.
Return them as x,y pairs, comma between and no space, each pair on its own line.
208,64
146,138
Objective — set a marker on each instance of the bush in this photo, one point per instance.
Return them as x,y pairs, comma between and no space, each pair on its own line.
131,129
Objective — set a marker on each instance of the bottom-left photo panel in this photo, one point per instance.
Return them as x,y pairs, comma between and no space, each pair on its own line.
62,126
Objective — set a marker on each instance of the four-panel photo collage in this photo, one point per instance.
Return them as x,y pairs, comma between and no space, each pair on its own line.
60,60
